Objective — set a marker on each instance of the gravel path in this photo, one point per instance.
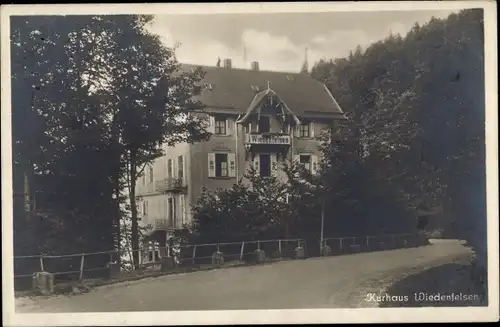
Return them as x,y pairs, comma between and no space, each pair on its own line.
333,282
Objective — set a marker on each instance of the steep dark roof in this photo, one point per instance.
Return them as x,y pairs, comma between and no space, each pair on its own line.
232,90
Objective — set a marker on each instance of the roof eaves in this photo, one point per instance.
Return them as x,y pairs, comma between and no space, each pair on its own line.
333,99
256,99
261,96
297,120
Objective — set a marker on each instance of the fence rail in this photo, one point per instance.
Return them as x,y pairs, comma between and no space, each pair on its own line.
88,265
338,245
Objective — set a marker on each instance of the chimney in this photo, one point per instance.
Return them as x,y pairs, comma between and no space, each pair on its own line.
255,65
227,63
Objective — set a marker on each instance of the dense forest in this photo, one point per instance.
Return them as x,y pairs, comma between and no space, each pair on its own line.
93,97
411,155
415,140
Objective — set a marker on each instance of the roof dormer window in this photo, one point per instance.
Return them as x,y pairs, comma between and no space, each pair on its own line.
207,86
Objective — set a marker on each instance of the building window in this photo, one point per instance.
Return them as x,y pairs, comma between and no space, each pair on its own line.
305,130
151,174
248,128
220,126
153,252
183,209
264,124
145,208
305,160
221,167
169,168
265,165
180,167
171,212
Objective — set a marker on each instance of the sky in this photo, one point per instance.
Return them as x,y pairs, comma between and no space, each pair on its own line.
278,41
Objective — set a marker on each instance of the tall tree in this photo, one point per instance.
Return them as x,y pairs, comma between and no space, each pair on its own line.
151,101
104,93
416,110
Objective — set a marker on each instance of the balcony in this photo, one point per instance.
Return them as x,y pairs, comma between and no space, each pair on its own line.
171,185
161,225
156,225
174,223
267,138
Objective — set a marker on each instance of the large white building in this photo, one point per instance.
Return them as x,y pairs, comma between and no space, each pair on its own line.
256,117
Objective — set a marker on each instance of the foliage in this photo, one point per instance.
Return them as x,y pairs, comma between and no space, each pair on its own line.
416,122
150,101
412,147
58,139
90,92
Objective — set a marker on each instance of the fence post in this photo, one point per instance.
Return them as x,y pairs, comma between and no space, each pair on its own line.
168,251
81,266
218,247
367,242
241,251
340,245
41,263
258,245
194,253
279,245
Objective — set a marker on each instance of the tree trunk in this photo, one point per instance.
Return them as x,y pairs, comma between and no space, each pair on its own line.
118,218
117,185
133,208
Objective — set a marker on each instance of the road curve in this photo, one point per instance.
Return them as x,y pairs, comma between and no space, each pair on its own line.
332,282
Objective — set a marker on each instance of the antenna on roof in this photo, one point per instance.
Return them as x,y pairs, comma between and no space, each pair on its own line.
268,85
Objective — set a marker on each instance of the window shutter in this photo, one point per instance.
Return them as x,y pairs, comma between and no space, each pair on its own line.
256,164
311,126
229,127
183,209
274,165
174,212
211,124
184,171
297,130
314,167
231,158
169,218
174,169
211,165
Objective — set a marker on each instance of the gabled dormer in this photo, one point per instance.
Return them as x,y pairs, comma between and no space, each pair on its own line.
268,114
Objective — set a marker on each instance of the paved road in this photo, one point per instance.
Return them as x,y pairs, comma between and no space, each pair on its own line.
333,282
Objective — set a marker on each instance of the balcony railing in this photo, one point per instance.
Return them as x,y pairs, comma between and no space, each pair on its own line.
174,223
160,224
154,225
268,138
163,225
170,184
